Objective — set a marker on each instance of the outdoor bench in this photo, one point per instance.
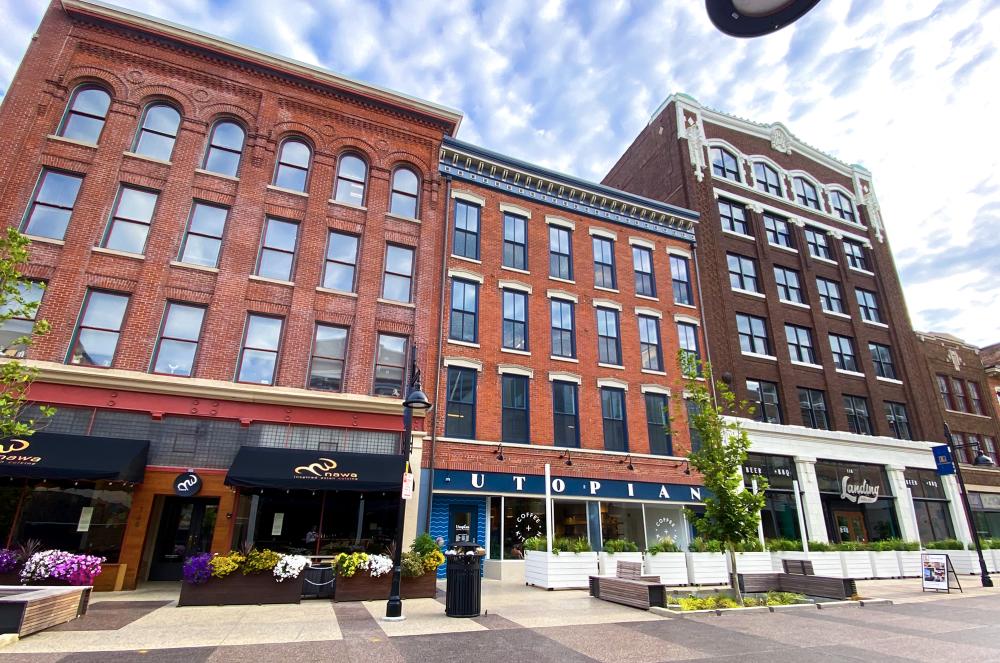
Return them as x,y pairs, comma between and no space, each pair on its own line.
27,610
629,587
810,585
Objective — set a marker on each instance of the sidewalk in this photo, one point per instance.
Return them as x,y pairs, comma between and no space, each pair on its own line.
909,590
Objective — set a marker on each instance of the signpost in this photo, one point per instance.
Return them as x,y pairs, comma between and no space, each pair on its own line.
937,573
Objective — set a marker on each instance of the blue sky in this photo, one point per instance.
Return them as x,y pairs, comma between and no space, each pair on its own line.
910,93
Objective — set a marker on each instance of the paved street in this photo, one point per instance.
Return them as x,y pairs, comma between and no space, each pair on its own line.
524,624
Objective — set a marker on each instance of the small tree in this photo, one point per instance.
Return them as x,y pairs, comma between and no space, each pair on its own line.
15,377
732,513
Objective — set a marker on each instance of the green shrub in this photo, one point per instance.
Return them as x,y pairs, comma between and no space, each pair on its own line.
423,544
990,544
820,546
784,545
716,602
565,544
664,545
753,545
699,544
620,546
783,598
852,546
411,564
887,545
535,543
945,544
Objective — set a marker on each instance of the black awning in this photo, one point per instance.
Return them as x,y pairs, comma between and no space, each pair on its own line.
82,457
267,467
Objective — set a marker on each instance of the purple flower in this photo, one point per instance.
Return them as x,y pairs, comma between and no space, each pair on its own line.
197,570
8,560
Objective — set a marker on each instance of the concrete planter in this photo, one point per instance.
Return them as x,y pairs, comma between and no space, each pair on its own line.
964,562
753,562
707,569
671,567
563,571
994,554
885,564
856,564
608,562
909,563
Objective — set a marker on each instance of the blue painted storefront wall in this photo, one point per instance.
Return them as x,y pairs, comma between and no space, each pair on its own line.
440,514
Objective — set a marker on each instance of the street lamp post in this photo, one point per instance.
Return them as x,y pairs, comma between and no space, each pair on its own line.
981,459
416,399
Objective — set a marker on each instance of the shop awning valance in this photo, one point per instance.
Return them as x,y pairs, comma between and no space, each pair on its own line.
77,457
267,467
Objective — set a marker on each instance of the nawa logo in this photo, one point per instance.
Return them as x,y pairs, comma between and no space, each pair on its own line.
859,493
14,446
323,469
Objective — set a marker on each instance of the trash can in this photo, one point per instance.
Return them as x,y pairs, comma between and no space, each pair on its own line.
463,591
318,581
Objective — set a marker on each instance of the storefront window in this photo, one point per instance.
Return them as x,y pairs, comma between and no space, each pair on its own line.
569,519
930,504
857,501
779,515
986,512
495,521
523,518
623,521
666,523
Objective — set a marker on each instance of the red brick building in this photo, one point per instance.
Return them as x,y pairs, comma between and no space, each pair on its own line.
229,245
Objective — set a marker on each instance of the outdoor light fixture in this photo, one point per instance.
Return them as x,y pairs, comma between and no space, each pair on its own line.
981,460
627,459
499,452
566,455
755,18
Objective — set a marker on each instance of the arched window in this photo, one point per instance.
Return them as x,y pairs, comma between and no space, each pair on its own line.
724,164
805,193
404,199
766,178
293,165
351,175
157,132
842,206
225,147
85,114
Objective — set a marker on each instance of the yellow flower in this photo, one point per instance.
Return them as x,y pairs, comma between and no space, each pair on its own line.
433,559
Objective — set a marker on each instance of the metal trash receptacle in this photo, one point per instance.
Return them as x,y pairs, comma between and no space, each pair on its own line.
319,579
464,586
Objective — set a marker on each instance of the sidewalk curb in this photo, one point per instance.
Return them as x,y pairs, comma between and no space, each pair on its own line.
7,639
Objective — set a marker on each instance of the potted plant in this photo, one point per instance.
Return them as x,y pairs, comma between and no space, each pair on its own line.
886,560
666,560
362,577
568,567
617,550
257,577
706,563
419,568
750,558
964,561
58,567
856,559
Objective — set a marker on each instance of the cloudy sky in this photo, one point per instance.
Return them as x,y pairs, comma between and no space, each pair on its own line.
911,93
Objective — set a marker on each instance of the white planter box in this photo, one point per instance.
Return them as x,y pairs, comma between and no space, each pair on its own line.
707,569
753,562
994,554
857,564
608,562
671,567
964,562
909,563
885,564
563,571
828,564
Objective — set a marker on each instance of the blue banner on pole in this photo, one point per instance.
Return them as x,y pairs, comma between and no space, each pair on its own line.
942,457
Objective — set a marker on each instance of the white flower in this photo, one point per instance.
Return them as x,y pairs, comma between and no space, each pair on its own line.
379,565
290,566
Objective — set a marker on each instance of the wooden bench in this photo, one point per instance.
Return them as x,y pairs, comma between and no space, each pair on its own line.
802,567
798,583
27,610
629,587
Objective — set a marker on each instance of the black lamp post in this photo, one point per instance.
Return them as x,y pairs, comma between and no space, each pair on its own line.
416,399
755,18
984,461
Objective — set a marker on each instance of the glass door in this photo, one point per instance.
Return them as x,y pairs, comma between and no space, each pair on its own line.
186,527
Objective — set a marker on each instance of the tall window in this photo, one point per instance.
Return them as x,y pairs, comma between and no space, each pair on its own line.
724,164
464,311
560,253
85,114
22,320
178,342
157,132
899,423
259,355
944,386
800,345
856,257
819,246
563,338
764,398
514,406
460,417
777,230
868,305
642,263
390,361
742,273
753,334
604,263
649,343
657,425
766,178
130,220
404,199
341,261
397,281
326,369
961,403
975,398
829,295
789,287
466,241
565,414
858,419
687,336
680,276
812,404
805,193
882,359
292,170
277,249
843,353
352,173
515,241
691,408
734,218
98,329
52,205
515,320
842,206
609,349
203,238
613,415
225,148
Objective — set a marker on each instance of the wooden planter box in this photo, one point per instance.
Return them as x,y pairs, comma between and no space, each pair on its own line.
608,562
238,589
421,587
111,578
753,562
671,567
707,569
362,587
909,563
563,571
12,578
856,564
885,564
